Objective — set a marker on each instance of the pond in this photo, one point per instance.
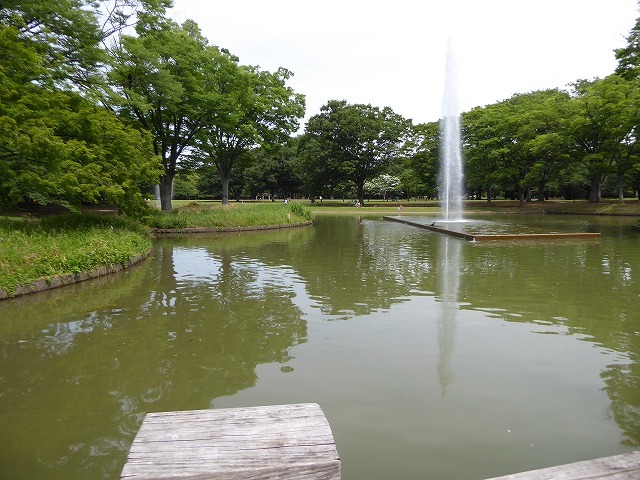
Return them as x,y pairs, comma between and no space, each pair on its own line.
432,357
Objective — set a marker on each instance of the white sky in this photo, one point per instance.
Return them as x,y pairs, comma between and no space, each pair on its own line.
392,53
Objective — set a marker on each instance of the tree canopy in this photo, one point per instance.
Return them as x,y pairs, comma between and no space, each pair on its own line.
352,143
56,145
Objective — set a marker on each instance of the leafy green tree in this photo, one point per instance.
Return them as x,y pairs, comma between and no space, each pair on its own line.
170,81
481,149
533,139
629,56
548,143
273,171
422,153
57,146
258,110
185,185
65,36
603,128
352,142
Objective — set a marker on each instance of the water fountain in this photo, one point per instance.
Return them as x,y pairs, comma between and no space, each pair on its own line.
450,181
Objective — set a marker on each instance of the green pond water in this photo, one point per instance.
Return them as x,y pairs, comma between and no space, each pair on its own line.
432,357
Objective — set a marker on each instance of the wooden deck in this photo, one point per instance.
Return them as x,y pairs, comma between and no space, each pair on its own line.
274,442
284,442
509,236
617,467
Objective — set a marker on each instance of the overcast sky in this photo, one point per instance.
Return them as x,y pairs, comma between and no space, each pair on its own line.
392,53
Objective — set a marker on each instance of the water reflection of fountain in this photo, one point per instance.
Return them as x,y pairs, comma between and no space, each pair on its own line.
449,267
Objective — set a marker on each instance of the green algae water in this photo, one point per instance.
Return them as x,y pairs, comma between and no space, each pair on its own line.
432,357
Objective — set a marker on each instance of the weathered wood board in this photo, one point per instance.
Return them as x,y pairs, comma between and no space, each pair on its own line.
617,467
274,442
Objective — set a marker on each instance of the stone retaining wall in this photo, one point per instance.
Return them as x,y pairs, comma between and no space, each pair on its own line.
62,280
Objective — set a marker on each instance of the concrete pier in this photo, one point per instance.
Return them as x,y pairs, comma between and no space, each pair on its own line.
510,236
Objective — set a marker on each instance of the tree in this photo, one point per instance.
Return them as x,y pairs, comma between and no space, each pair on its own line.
382,185
422,153
629,57
169,79
258,110
56,145
274,171
352,142
481,144
603,126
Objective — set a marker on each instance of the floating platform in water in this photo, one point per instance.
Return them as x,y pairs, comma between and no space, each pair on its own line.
278,442
479,237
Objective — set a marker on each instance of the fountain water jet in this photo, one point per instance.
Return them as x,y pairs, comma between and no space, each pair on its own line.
450,180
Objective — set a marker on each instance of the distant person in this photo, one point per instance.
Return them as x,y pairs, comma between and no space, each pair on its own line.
400,207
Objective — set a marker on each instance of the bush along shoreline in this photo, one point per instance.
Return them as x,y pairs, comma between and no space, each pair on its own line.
38,254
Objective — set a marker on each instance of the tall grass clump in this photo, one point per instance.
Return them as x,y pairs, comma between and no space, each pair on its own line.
234,215
31,249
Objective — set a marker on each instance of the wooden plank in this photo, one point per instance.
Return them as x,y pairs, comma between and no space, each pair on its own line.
617,467
275,442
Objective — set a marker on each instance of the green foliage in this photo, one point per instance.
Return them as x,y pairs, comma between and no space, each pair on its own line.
31,249
422,160
352,143
274,171
166,80
629,57
604,128
262,111
57,146
185,185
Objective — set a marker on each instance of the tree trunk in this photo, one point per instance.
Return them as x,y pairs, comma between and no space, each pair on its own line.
594,188
620,188
521,196
224,179
541,188
224,170
360,188
489,194
166,191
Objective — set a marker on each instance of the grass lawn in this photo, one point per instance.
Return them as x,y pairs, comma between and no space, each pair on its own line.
35,248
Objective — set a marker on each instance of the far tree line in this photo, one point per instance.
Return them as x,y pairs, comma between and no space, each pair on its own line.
579,143
92,111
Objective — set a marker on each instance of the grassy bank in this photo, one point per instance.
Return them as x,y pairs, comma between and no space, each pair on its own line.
32,248
216,216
